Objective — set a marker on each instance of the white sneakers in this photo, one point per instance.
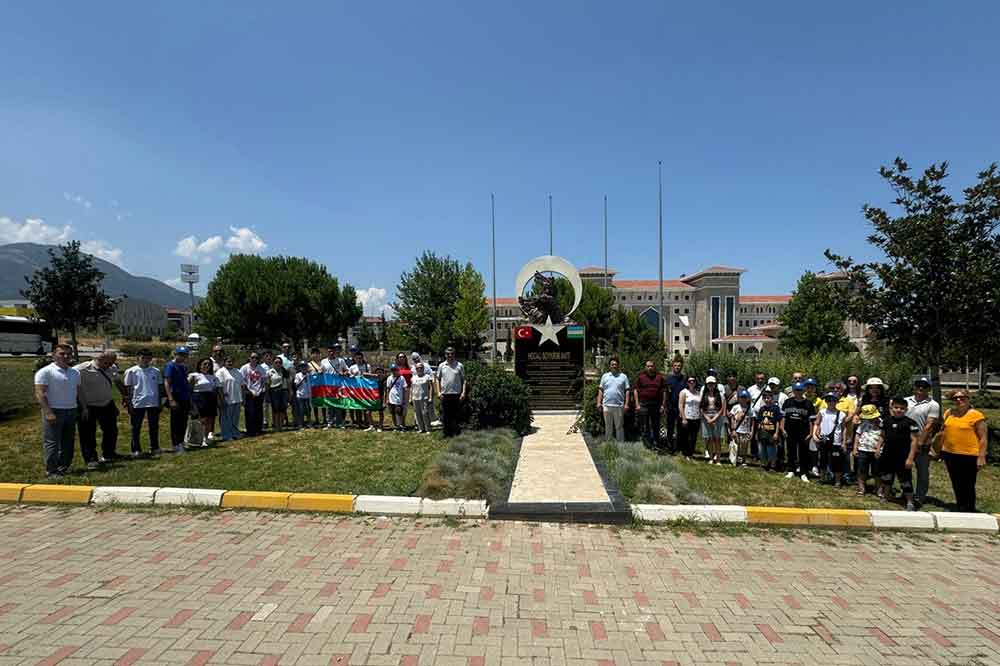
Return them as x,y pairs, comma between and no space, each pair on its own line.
805,478
790,475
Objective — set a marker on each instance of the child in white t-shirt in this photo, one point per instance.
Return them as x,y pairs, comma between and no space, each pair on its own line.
740,428
395,396
303,400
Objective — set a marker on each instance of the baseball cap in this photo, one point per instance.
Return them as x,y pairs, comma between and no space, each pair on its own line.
182,350
354,349
922,380
830,396
711,380
774,380
798,386
393,366
743,394
810,382
874,381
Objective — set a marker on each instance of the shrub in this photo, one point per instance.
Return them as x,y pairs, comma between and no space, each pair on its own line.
646,478
476,465
496,399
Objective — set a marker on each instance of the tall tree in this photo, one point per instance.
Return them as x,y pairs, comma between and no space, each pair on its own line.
938,289
367,339
67,293
264,299
812,320
472,317
426,298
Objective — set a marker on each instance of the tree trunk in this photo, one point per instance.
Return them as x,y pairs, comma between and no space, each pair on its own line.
936,382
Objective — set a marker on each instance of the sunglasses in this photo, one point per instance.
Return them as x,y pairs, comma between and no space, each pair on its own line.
691,381
960,398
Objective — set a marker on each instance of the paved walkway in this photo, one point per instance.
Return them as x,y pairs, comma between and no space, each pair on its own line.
554,466
81,586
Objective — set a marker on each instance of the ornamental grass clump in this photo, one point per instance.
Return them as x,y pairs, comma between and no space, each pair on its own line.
646,478
476,465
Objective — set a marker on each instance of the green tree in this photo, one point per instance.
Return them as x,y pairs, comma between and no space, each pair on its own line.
596,314
812,320
472,317
67,293
263,299
426,298
937,291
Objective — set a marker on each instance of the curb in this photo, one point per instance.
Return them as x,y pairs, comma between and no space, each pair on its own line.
386,505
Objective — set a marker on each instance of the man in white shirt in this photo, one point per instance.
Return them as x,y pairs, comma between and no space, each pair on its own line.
98,378
254,383
450,384
926,412
144,391
57,390
612,400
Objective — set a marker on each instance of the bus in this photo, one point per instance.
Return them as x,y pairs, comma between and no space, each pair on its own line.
21,335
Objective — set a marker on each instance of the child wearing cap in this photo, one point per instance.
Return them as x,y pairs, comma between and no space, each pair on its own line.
899,449
713,415
828,432
740,428
768,429
867,445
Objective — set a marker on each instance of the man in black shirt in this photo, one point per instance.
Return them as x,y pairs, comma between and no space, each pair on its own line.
899,449
799,414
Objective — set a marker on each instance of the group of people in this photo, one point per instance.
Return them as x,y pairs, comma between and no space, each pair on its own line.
81,397
845,434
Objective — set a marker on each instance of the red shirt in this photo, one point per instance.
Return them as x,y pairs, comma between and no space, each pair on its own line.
406,374
650,389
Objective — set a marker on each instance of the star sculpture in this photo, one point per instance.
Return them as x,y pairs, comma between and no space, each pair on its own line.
548,331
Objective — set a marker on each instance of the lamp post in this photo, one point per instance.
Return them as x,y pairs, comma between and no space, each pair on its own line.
659,214
493,232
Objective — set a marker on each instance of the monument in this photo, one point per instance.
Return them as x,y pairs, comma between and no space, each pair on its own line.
548,352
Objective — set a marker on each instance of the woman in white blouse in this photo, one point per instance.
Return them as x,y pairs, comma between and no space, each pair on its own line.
206,395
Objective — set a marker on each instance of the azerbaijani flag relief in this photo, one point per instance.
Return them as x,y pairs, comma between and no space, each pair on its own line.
344,392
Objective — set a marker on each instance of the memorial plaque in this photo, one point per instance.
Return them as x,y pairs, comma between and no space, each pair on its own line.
553,370
548,352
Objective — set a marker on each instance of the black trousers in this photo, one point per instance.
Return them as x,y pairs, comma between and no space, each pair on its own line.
687,436
152,416
650,423
799,455
451,414
107,417
179,422
673,428
254,406
963,472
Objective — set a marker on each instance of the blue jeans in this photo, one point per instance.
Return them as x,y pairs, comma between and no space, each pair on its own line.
768,453
300,410
230,417
57,440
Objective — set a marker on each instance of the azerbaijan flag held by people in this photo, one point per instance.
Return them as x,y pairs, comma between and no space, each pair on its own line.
342,392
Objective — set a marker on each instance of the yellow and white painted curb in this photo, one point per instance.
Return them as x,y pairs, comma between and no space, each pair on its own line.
384,505
844,518
28,493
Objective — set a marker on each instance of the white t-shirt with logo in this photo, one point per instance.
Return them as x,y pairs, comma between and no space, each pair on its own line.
62,385
203,383
302,389
421,386
146,385
253,378
231,381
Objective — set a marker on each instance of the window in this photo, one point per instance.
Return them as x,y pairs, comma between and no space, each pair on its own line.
686,352
730,314
687,298
676,297
677,324
677,338
677,310
685,310
716,306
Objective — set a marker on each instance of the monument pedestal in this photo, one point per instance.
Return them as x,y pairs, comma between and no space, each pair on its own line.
553,369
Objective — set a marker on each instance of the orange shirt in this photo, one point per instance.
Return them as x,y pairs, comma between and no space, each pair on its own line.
959,434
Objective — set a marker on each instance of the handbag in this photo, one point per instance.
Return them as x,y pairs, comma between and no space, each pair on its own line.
195,433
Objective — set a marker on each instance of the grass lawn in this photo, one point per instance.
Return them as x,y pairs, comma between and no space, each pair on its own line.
331,461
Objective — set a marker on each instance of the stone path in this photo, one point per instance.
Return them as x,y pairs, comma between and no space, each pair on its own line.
86,587
554,466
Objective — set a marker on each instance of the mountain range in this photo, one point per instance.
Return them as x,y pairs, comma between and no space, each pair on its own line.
19,260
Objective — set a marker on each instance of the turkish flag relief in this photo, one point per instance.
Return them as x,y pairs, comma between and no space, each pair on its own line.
523,332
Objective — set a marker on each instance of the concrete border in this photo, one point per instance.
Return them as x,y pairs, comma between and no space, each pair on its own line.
387,505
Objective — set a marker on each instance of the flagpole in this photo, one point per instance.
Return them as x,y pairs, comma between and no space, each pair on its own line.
606,284
493,231
550,224
659,214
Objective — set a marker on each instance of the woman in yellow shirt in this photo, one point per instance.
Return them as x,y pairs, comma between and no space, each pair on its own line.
963,441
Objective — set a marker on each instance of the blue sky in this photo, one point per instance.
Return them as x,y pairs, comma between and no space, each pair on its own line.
360,134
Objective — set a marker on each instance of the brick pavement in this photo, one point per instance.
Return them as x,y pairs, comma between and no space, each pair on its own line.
83,586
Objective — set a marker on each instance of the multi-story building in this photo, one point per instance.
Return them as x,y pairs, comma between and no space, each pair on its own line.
701,311
136,317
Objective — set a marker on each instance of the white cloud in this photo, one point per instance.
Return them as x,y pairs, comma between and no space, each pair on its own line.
33,230
174,282
205,251
373,301
245,240
103,250
77,199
